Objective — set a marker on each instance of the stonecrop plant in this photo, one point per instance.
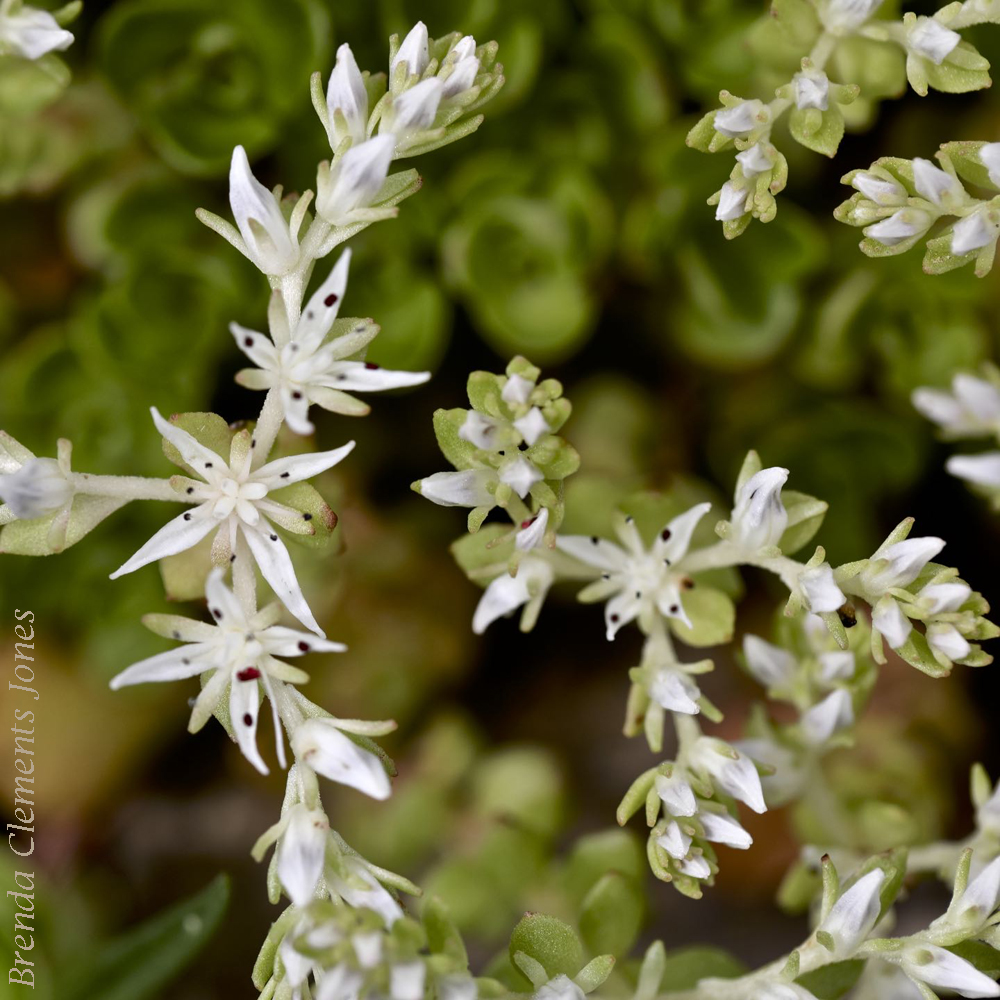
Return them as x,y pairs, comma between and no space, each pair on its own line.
669,567
845,57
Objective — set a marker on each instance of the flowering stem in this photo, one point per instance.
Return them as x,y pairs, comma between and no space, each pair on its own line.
126,487
725,553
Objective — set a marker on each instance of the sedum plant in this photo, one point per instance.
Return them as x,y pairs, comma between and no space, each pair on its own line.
846,57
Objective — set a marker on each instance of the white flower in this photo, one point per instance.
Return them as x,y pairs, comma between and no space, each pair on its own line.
878,189
406,980
346,93
506,593
532,426
739,120
675,691
944,597
989,156
945,639
889,620
973,232
901,225
30,32
731,771
674,841
520,474
758,159
479,430
732,202
984,469
676,795
232,499
853,916
843,16
833,713
460,66
942,969
978,902
266,235
836,665
37,488
413,52
972,407
468,488
241,650
412,111
935,184
820,590
300,854
695,867
559,988
363,890
345,191
307,368
721,828
931,40
532,531
517,389
900,563
635,579
759,517
319,744
812,90
771,665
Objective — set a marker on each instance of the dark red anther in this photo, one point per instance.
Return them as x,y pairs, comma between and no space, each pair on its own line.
248,719
371,366
330,300
248,674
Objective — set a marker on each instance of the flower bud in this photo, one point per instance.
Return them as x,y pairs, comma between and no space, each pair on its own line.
759,517
854,915
37,488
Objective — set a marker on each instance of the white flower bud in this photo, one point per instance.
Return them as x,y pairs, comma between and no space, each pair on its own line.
532,426
771,665
355,180
31,33
854,915
889,620
721,828
904,560
674,841
340,983
759,517
676,794
739,120
468,488
517,389
934,183
479,430
820,590
945,639
944,597
843,16
973,232
532,532
507,593
675,691
984,469
460,67
812,90
413,51
406,980
346,93
878,189
732,202
696,867
734,773
319,744
300,853
520,475
37,488
942,969
989,156
413,110
560,988
901,225
833,713
758,159
259,219
362,890
836,665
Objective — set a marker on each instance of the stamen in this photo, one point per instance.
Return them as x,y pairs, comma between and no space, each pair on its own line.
187,515
248,719
307,517
217,612
665,534
371,366
248,341
330,300
274,538
304,647
190,490
248,674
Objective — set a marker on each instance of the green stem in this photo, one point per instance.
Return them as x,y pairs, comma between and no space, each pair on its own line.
127,487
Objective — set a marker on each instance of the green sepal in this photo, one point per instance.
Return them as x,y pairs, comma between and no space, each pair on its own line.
820,131
963,71
635,798
461,454
938,258
555,457
483,550
305,498
484,389
805,516
595,973
703,135
712,615
964,157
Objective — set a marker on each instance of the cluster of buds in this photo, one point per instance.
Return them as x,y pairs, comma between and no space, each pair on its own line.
897,203
936,56
970,410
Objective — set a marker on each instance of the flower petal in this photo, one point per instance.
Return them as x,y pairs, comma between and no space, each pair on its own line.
244,702
319,744
182,533
173,665
276,567
300,853
295,468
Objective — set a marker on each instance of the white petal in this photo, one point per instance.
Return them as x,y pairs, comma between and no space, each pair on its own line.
977,395
258,348
323,305
696,867
479,430
244,702
759,517
739,120
414,109
674,841
676,795
520,475
468,488
939,406
356,179
191,449
983,893
406,980
675,691
32,33
37,488
363,376
532,532
878,189
853,916
771,665
276,567
413,51
721,828
300,853
947,640
933,182
281,641
812,90
906,559
324,748
733,201
173,665
837,665
932,40
532,426
346,93
983,470
462,75
619,611
222,602
341,982
820,590
944,597
502,596
367,948
593,551
943,969
674,540
989,156
732,771
182,533
517,389
888,618
295,468
899,226
758,159
374,897
833,713
973,232
270,245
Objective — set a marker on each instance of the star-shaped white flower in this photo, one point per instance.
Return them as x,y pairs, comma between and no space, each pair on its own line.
306,367
232,498
240,652
636,579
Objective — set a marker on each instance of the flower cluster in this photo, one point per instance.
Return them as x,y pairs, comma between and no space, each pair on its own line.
897,203
970,410
870,56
